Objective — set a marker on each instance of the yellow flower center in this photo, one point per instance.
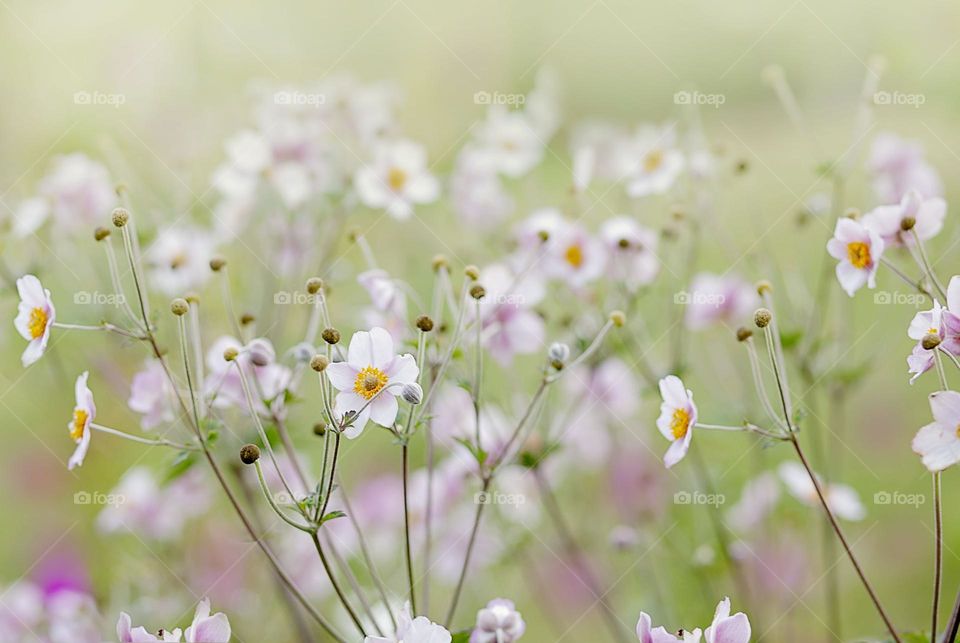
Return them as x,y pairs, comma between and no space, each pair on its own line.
574,256
680,423
79,421
859,254
653,160
396,179
369,382
38,322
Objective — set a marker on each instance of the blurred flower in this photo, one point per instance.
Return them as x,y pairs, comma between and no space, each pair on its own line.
267,378
656,164
600,151
842,499
368,379
509,142
21,611
397,179
632,250
574,256
477,193
858,247
384,291
678,416
413,630
510,325
897,166
758,498
927,216
77,191
151,509
498,622
938,442
648,634
726,628
73,617
716,299
35,317
83,414
139,634
179,259
151,395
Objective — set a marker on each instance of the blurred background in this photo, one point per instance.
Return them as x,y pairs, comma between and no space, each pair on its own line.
184,72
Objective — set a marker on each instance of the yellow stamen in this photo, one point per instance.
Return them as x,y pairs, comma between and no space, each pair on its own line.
38,322
79,422
369,382
859,254
396,179
680,423
653,160
574,256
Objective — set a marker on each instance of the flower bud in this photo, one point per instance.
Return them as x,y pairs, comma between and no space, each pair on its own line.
249,453
558,354
320,428
314,285
439,261
179,306
302,352
762,317
543,235
412,393
330,335
120,217
246,319
101,233
618,318
425,323
477,291
930,341
743,334
907,223
764,286
261,352
319,363
217,264
472,272
230,353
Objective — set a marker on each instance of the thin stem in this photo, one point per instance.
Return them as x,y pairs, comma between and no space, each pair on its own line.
333,472
582,357
406,526
925,264
761,387
752,428
466,558
117,284
938,554
953,358
333,582
478,376
273,502
103,326
906,279
134,438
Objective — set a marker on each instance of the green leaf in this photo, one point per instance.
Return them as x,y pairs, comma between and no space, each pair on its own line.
791,338
331,516
181,464
461,637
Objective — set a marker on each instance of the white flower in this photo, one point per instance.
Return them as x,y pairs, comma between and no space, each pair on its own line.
678,416
510,142
179,259
656,163
938,443
397,179
413,630
151,395
574,256
79,191
858,247
385,292
370,380
79,426
632,249
498,622
35,317
927,216
842,499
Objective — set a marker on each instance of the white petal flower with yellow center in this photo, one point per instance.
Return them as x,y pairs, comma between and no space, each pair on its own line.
397,179
370,380
858,247
79,426
35,317
678,415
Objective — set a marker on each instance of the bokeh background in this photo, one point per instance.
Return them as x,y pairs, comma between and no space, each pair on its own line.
185,70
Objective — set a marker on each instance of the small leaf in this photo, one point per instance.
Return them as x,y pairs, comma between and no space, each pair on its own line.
461,637
331,516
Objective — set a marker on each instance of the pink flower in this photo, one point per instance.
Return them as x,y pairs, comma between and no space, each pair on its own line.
509,141
369,381
898,166
397,179
678,416
498,622
938,443
648,634
859,248
83,414
385,292
510,325
139,634
632,249
927,214
842,499
726,628
413,630
35,317
79,191
759,497
151,396
478,195
206,628
266,378
716,299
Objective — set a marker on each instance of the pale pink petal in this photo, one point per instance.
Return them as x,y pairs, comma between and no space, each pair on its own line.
945,406
342,375
938,445
403,369
735,629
